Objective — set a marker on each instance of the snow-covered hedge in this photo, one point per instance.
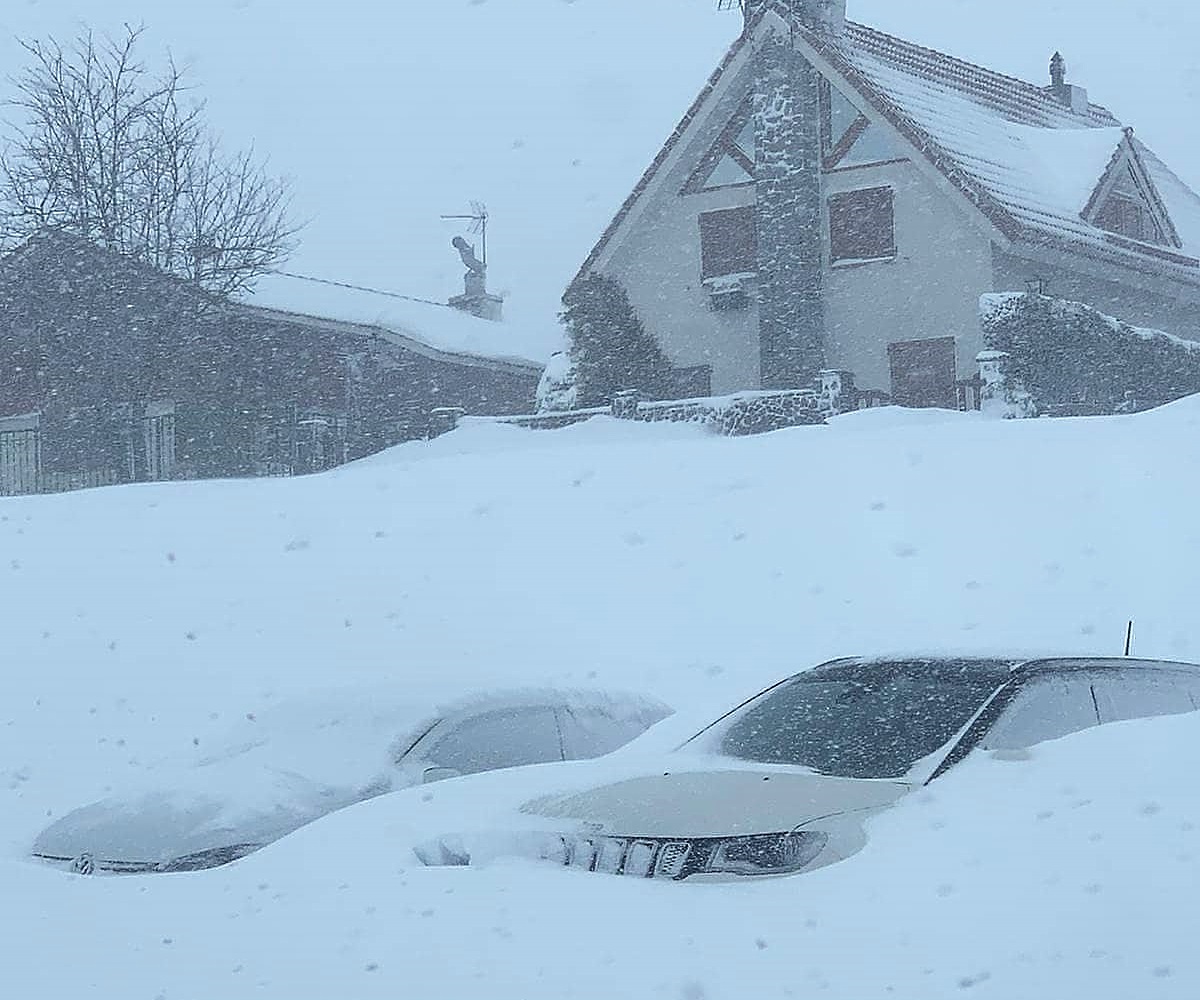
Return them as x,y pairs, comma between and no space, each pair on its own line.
1071,358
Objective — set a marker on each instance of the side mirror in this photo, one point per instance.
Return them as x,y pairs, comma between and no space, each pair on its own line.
439,774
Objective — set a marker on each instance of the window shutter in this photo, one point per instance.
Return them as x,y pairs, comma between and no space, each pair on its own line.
862,225
728,243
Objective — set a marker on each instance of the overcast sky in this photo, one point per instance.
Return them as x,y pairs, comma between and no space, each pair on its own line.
386,115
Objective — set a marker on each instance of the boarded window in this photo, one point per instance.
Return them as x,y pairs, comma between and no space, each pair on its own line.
862,225
728,243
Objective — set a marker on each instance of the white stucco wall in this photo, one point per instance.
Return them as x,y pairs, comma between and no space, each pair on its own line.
659,265
657,259
930,289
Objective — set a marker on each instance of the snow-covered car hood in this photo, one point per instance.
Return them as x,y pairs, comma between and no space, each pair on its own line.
160,825
715,803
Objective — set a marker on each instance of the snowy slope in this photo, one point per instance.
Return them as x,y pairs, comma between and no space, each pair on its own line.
388,115
145,624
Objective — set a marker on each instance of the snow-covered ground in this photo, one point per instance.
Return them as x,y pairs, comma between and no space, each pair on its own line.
151,624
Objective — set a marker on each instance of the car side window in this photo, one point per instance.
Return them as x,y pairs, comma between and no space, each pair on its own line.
1143,694
499,738
1044,709
592,732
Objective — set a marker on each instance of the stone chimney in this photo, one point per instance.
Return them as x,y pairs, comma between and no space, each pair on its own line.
828,16
1073,97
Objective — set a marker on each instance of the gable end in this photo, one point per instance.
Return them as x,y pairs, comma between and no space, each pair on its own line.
1126,203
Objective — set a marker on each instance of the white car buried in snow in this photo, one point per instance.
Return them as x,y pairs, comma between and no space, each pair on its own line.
307,761
784,782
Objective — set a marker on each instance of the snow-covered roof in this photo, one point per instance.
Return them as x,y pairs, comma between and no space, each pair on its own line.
1033,161
1027,158
408,321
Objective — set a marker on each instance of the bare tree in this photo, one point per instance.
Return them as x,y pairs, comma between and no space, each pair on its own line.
118,155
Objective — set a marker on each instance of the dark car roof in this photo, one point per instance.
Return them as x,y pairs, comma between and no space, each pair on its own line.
1064,664
999,669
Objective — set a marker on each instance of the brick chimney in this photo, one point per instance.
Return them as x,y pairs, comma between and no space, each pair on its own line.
828,16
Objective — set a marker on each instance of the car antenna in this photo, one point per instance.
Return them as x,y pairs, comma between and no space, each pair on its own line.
1129,639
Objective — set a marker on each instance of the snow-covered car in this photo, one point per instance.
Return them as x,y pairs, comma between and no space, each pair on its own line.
784,782
231,805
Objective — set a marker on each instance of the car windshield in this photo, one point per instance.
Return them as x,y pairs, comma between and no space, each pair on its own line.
862,721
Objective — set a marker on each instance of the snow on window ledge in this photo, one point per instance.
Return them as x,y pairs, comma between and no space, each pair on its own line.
725,284
860,261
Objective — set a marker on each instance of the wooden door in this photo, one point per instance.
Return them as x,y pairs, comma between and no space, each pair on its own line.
924,373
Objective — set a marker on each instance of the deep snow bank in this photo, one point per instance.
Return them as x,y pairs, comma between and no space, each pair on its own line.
141,623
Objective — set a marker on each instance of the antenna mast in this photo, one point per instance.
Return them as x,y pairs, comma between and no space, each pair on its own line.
478,217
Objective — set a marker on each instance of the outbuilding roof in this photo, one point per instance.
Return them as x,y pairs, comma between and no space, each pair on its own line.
414,323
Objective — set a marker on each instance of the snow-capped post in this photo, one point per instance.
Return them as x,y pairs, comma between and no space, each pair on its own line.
558,389
837,391
444,419
999,395
625,404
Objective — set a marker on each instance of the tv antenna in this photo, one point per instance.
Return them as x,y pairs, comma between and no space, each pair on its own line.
731,5
478,217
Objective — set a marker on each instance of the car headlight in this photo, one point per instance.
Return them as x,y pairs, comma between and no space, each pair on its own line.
770,854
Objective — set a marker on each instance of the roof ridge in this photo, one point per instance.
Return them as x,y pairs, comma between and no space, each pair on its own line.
867,31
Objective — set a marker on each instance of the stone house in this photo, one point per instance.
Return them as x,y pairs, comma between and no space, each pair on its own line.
112,372
838,199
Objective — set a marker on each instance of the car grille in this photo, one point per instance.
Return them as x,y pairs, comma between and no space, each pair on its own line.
640,858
